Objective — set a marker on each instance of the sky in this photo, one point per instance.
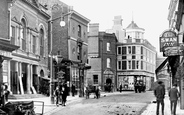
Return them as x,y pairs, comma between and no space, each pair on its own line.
148,14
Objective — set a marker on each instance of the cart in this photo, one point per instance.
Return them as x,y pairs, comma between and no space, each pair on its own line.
23,108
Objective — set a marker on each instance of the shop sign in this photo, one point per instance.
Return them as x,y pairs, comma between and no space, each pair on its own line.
168,39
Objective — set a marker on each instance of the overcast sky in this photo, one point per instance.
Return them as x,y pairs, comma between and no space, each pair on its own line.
148,14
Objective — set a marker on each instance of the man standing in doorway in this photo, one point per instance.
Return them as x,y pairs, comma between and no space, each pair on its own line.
159,93
173,96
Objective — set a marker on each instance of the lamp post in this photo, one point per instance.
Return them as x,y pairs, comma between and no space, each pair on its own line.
62,23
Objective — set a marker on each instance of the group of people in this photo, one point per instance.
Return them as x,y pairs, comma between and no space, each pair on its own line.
173,93
61,94
96,91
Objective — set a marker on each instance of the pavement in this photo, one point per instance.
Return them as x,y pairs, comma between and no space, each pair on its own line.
151,108
49,108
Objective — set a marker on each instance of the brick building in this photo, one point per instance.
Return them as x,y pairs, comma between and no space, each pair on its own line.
69,42
28,69
102,58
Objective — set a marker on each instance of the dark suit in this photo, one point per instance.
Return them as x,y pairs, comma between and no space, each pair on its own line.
159,93
173,95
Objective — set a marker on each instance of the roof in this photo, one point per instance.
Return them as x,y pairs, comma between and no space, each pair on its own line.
133,25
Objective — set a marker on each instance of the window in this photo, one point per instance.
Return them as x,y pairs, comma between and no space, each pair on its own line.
41,42
23,34
129,64
123,50
133,49
95,79
79,31
119,65
137,64
34,45
124,65
12,35
133,64
108,46
141,50
108,62
129,49
123,57
119,50
141,64
133,56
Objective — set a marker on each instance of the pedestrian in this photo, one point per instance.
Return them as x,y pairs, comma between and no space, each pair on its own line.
120,88
97,92
57,95
159,93
87,93
6,93
64,94
173,96
73,89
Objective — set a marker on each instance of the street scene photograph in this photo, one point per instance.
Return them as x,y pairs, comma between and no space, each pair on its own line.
91,57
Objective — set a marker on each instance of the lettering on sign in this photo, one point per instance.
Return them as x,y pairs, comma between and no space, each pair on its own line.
168,39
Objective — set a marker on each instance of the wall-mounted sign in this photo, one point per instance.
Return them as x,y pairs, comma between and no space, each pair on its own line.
172,51
168,39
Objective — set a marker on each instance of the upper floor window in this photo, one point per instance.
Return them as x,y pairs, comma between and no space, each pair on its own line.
12,34
108,46
34,44
119,65
23,34
95,79
119,50
108,62
79,31
41,42
124,50
129,50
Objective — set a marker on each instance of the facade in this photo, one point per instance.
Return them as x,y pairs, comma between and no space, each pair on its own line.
136,59
5,47
70,43
176,23
101,58
29,30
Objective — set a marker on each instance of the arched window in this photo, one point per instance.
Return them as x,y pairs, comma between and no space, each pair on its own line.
23,34
41,42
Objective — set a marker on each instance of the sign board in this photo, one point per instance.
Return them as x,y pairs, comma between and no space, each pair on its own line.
172,51
168,39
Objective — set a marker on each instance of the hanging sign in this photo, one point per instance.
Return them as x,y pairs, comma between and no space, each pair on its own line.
168,39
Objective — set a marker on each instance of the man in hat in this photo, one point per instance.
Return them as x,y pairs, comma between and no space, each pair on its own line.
173,96
159,93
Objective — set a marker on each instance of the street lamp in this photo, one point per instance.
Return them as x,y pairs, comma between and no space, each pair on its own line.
62,23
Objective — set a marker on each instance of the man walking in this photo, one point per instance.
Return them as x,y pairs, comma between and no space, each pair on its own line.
173,96
159,93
